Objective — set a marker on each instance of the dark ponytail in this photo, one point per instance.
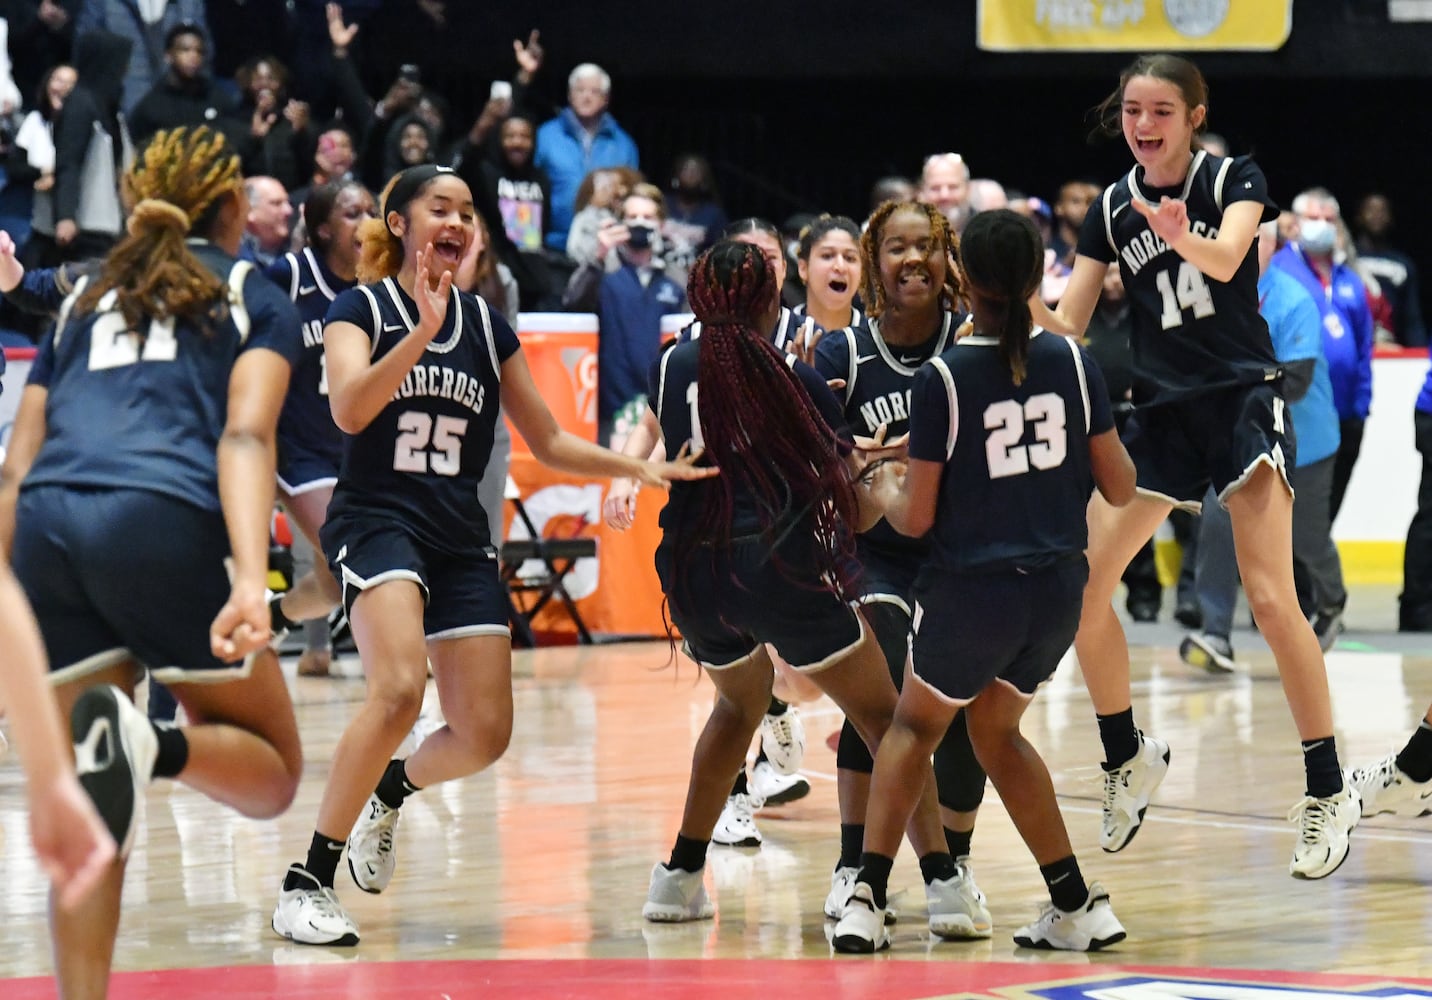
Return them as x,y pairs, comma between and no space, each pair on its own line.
1002,257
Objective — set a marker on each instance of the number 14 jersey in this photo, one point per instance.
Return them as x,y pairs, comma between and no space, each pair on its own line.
1191,332
420,459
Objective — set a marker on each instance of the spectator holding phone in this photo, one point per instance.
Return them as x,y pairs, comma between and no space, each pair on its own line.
632,300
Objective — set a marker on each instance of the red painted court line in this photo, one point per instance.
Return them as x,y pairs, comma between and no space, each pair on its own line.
627,979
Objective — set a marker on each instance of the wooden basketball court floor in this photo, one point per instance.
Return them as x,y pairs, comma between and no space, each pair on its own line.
529,879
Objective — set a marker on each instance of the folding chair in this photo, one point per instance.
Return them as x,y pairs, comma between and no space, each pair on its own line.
557,555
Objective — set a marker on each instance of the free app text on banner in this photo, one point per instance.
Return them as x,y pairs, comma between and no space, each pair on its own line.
1132,25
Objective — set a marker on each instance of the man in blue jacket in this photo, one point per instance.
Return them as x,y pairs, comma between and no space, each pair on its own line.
583,138
1296,321
1313,259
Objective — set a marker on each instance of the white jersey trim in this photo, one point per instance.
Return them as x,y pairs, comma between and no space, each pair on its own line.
377,331
1083,379
950,394
899,366
328,293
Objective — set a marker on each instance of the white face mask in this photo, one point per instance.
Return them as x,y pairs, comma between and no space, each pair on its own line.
1317,235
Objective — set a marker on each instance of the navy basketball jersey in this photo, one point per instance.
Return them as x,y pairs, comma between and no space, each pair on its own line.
878,379
799,312
1191,332
422,456
306,422
132,411
1017,476
787,326
672,394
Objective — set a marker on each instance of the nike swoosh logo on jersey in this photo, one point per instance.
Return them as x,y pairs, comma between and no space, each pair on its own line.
305,289
860,359
392,328
904,360
1116,211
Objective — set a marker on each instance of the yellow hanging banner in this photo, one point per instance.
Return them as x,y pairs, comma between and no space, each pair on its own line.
1133,25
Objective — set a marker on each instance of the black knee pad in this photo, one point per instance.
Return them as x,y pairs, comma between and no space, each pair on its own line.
891,626
851,754
958,775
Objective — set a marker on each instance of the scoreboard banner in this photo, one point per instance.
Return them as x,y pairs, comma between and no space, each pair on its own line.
1132,25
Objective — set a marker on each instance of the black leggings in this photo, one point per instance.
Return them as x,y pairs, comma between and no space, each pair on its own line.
958,775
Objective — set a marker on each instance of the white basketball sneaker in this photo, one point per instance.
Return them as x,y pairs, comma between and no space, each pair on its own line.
115,748
783,740
311,914
957,907
1127,791
676,896
371,855
737,825
1324,832
1385,788
1089,928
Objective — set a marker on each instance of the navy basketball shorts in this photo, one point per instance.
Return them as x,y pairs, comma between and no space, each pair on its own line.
125,574
1217,438
1010,625
462,594
727,605
301,470
887,580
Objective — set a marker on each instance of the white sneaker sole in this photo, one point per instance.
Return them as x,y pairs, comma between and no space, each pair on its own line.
663,913
959,927
349,940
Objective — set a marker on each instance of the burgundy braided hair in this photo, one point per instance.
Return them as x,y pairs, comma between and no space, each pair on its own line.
759,424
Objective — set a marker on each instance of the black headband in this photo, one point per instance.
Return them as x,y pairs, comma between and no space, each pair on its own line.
409,183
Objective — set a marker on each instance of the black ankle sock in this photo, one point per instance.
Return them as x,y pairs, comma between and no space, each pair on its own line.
739,788
937,865
322,863
875,872
1416,758
959,843
778,707
278,621
688,854
394,786
173,751
1121,739
852,840
1066,885
1320,759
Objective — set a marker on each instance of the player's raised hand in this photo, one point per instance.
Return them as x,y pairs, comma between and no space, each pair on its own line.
432,300
242,625
682,469
1169,219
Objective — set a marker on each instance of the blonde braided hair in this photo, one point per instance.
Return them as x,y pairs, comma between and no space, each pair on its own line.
176,187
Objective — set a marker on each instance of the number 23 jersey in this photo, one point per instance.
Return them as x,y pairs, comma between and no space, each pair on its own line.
1017,475
1191,332
422,456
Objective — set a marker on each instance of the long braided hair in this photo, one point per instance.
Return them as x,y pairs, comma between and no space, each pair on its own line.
176,187
872,291
759,424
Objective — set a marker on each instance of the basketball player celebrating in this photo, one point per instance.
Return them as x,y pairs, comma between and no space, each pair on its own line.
828,258
1008,435
145,441
414,374
310,446
912,288
775,777
760,555
1181,226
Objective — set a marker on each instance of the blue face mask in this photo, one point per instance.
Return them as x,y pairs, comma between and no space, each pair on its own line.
1317,235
